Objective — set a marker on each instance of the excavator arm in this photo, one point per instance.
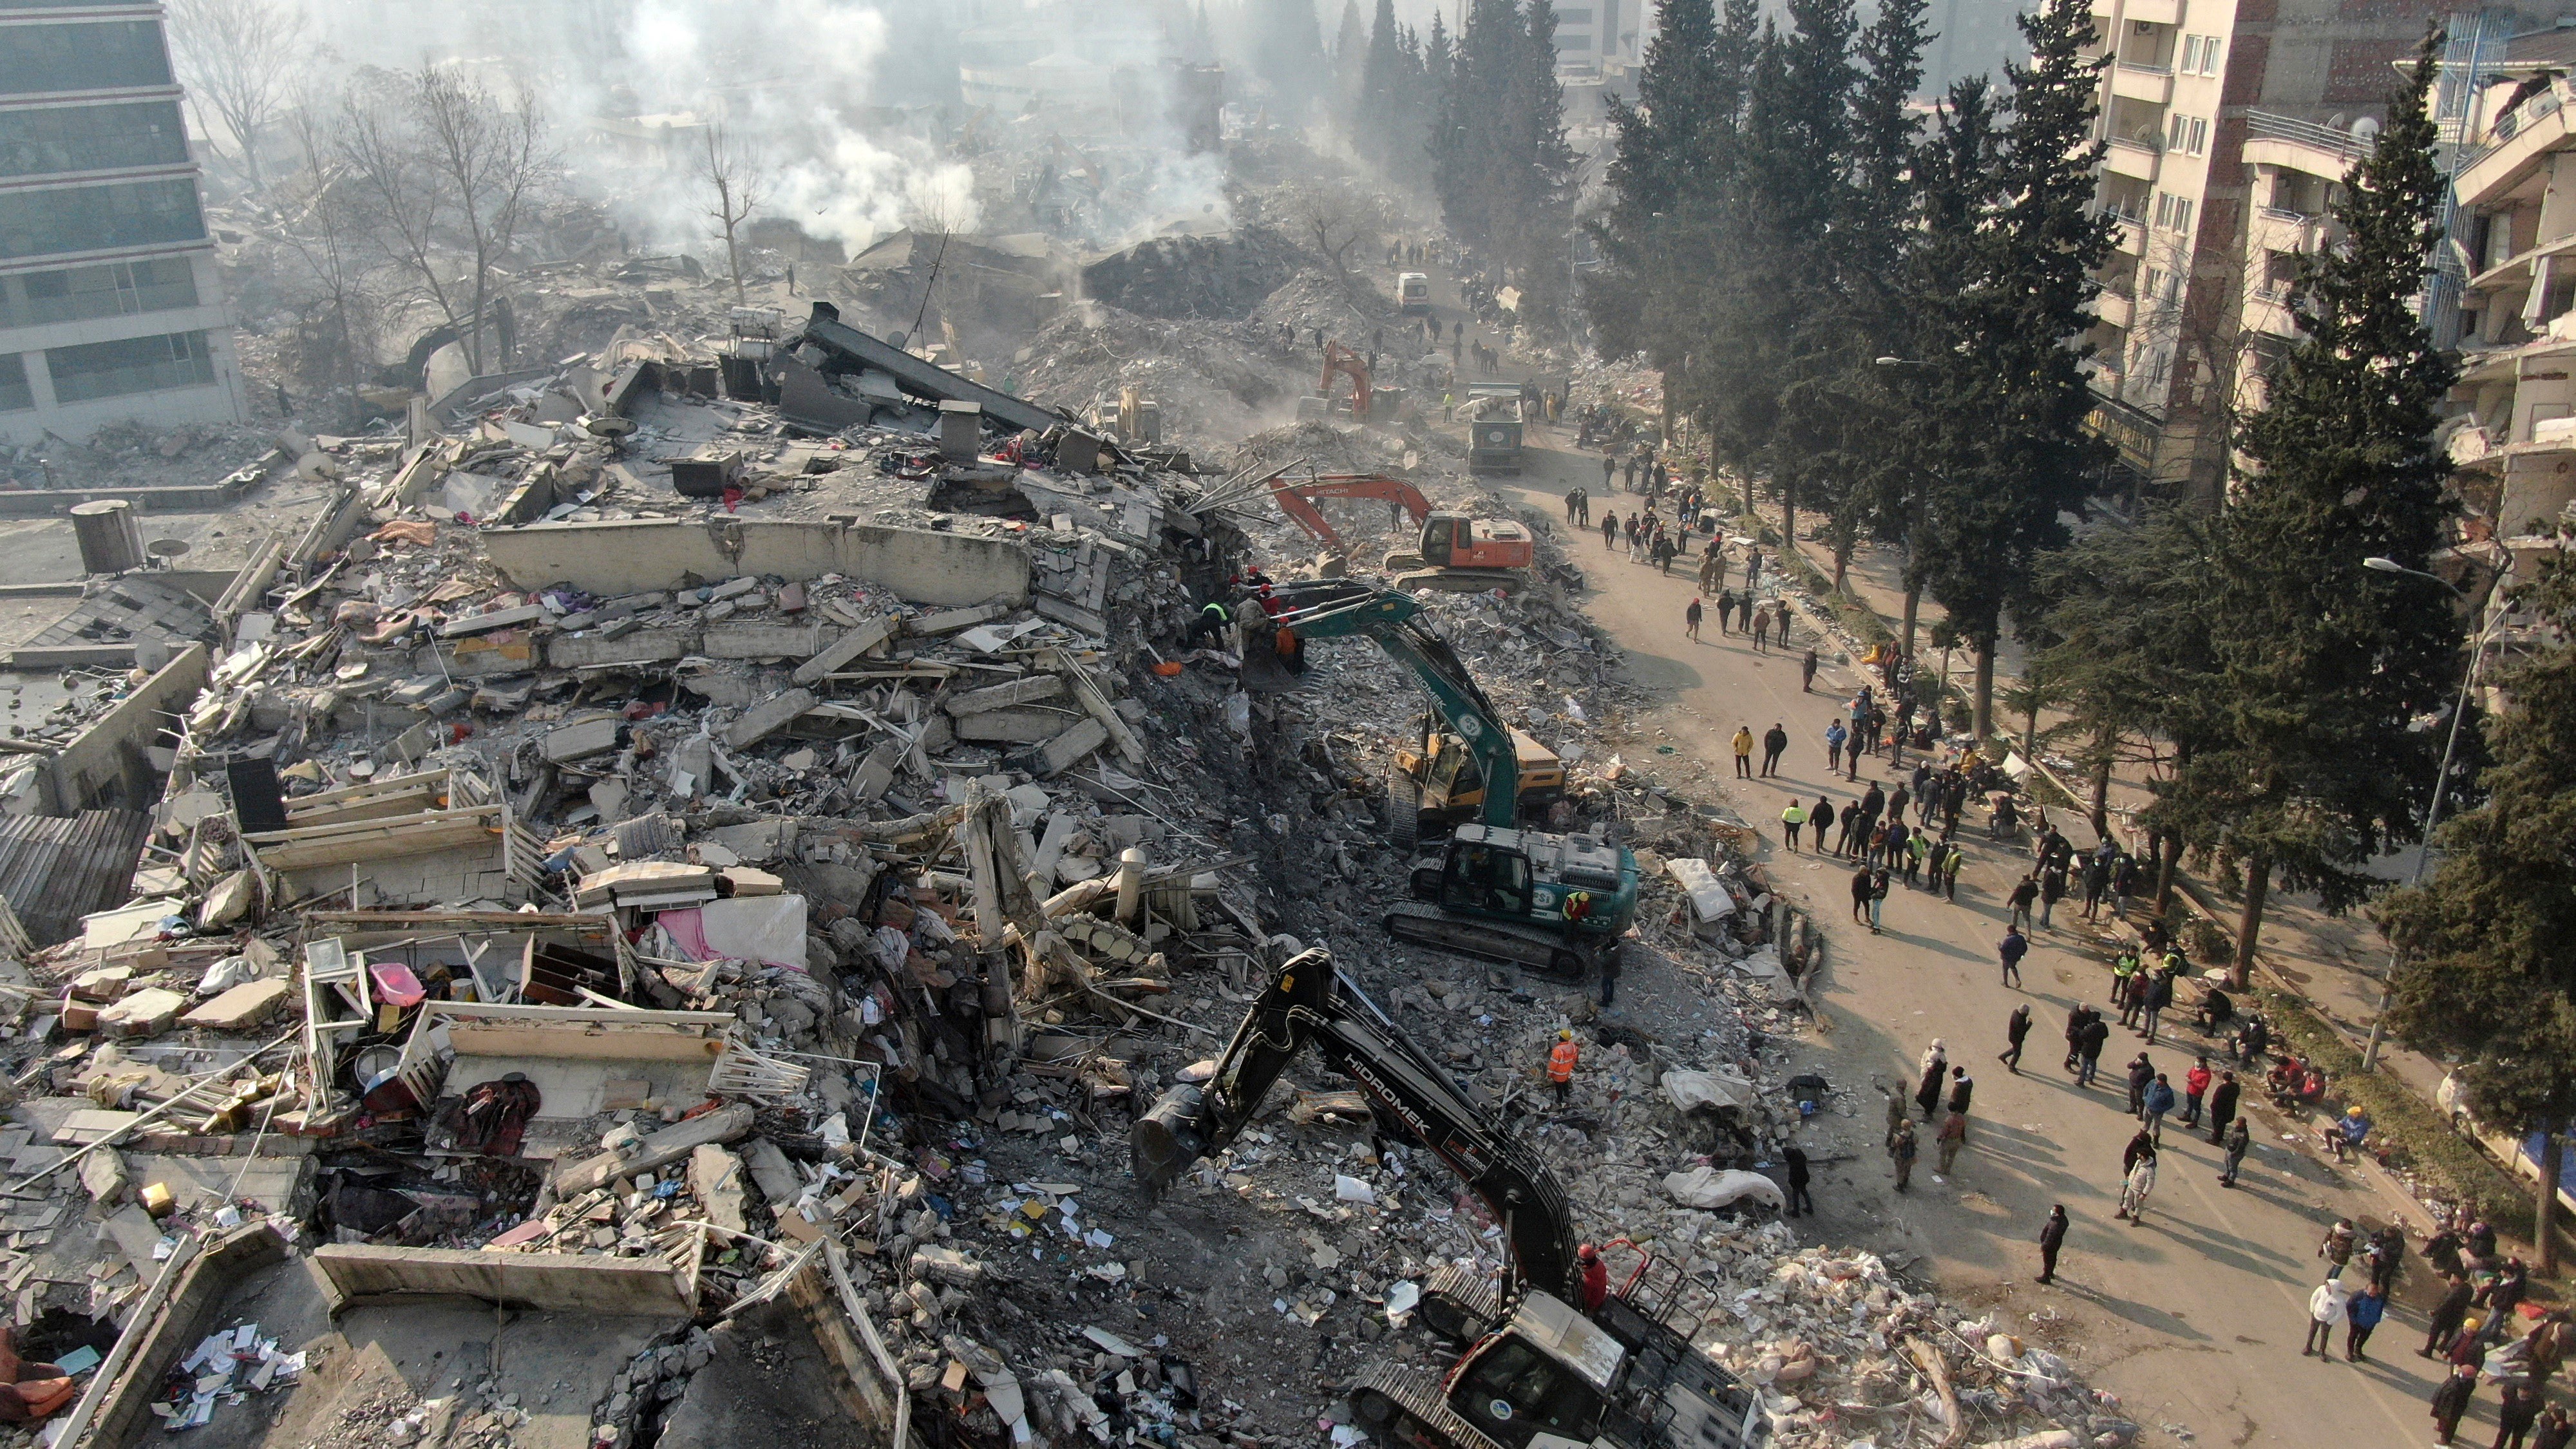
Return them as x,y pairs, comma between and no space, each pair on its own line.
1336,608
1297,500
1311,1003
1342,360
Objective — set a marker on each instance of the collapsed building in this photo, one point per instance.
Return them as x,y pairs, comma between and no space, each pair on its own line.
645,914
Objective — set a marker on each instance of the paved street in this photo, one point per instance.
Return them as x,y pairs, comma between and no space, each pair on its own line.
2193,1318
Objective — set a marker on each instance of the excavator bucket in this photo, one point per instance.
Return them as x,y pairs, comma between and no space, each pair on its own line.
1167,1139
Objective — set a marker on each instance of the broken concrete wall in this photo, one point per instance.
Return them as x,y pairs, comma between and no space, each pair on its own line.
558,1282
922,565
106,767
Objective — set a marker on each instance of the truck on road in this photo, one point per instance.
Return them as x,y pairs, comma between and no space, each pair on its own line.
1493,414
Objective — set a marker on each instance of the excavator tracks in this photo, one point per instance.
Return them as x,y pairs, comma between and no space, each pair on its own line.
1458,581
1403,1403
1550,953
1460,1305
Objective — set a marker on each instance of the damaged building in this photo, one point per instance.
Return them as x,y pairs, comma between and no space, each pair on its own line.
649,909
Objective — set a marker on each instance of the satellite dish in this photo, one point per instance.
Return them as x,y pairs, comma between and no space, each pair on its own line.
168,550
2366,127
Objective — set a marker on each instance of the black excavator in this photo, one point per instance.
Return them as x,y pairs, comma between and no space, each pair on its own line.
1537,1370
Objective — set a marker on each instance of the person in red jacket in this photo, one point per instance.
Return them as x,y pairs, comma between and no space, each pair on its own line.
1596,1277
2194,1082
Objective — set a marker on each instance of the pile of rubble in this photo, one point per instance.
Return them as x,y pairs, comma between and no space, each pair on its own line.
534,917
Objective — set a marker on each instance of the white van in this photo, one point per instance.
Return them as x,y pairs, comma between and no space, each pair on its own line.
1413,293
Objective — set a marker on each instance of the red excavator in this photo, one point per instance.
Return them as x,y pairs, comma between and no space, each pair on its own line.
1455,553
1340,359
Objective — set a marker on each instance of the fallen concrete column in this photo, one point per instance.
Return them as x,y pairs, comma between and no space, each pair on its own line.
550,1282
1017,691
725,1124
844,649
767,718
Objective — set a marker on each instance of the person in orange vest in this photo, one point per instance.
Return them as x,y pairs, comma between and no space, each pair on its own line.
1560,1065
1596,1277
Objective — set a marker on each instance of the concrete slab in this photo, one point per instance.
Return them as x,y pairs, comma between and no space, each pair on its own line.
553,1282
243,1007
767,718
769,1383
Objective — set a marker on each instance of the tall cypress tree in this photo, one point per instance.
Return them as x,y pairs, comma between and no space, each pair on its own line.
2487,971
2321,666
1663,185
1383,92
1288,53
2005,447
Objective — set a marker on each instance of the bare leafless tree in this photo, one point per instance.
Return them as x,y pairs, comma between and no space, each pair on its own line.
333,270
238,58
734,175
1335,218
451,173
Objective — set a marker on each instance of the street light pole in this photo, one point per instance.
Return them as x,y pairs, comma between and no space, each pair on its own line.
2441,787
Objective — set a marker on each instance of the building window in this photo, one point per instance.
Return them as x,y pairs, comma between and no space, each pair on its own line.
131,365
15,395
107,55
91,138
2200,55
2173,213
1574,17
121,289
90,218
2187,135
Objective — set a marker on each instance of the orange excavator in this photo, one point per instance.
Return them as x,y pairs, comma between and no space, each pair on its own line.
1341,360
1455,553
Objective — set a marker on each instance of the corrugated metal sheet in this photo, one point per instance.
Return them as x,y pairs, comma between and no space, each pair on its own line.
57,870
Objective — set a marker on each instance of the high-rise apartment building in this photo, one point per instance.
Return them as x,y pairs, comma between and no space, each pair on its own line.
2228,123
110,308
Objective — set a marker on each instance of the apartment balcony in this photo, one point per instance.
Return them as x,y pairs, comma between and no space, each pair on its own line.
2279,229
2302,146
2115,308
2152,12
2133,159
2152,84
2267,310
2131,238
2522,141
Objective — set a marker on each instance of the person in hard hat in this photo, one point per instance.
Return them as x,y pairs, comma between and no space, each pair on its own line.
1560,1066
1210,627
1596,1277
2346,1135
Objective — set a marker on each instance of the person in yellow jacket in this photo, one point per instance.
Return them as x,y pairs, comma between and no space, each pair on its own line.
1744,752
1792,820
1560,1066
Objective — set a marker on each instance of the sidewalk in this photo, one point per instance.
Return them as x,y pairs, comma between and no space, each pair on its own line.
2332,963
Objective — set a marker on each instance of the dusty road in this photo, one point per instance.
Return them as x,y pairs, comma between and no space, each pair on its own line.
2194,1318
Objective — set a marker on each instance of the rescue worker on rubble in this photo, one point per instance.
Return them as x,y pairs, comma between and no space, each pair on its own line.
1560,1066
1596,1277
1210,626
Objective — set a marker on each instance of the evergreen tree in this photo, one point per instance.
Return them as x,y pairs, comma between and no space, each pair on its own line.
1663,184
1378,131
2312,766
1288,54
2006,450
2486,972
1501,166
1350,62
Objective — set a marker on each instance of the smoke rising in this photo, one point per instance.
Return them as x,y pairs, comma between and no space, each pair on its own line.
857,111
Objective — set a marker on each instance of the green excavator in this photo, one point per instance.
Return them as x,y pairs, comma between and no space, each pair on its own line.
1553,903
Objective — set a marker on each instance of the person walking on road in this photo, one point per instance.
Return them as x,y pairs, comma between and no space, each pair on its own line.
1775,743
1560,1066
1610,530
2022,895
2336,1246
1963,1090
2239,1138
2157,1100
1807,672
2097,1035
1820,818
2160,994
1877,897
2443,1328
2515,1415
1800,1200
1952,1136
1860,894
1901,1150
2451,1401
1725,608
1929,1075
2362,1315
2141,1073
1691,617
1835,735
1792,819
1744,752
2016,1027
2195,1084
2325,1309
2012,948
2222,1107
2052,1236
2141,1179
